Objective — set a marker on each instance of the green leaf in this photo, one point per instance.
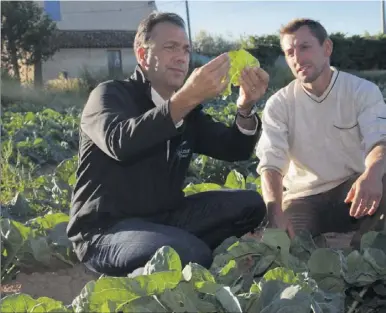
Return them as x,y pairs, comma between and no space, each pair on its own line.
38,142
303,245
29,118
184,298
14,234
325,266
377,259
357,271
325,261
193,189
223,247
373,239
25,303
278,239
165,259
194,272
49,221
283,274
148,304
239,59
72,180
277,296
20,206
41,250
323,302
51,114
235,180
228,300
17,303
120,290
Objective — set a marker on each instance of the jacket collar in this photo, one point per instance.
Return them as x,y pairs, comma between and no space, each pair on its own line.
140,80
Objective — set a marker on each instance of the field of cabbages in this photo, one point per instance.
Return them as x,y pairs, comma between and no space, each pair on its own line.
270,275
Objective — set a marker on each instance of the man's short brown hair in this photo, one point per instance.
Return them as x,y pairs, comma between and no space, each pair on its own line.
146,26
315,27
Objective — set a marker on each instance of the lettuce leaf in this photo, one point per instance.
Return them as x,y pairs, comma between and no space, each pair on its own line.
239,60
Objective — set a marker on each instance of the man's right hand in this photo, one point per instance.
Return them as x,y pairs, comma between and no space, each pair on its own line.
277,219
207,81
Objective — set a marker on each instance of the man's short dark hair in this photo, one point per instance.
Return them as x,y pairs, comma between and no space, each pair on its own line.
316,29
146,26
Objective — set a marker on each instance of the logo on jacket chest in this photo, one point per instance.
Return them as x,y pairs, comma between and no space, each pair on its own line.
183,150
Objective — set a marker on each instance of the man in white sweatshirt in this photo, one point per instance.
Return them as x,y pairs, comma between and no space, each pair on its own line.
322,151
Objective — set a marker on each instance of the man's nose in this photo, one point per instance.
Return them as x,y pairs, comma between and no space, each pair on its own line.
182,58
297,57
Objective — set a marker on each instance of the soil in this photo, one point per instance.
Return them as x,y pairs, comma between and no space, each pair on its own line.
65,284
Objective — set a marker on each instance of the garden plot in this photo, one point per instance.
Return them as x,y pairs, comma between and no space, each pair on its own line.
40,272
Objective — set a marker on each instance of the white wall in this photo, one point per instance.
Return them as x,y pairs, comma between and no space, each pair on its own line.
97,15
73,61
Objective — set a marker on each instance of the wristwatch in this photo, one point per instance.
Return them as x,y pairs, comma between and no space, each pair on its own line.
251,114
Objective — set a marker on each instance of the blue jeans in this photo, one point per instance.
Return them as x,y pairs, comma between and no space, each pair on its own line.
203,222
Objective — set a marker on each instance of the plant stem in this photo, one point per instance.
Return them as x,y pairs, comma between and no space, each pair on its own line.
356,302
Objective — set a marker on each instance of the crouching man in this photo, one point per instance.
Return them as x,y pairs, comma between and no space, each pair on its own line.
137,138
323,143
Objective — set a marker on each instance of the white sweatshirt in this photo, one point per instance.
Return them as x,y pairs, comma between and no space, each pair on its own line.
316,143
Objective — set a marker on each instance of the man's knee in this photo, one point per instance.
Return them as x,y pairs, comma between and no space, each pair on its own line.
249,200
133,242
255,201
248,204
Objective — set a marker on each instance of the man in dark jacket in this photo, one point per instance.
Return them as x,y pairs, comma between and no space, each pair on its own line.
137,138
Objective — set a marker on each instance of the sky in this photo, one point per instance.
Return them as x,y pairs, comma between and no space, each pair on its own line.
233,19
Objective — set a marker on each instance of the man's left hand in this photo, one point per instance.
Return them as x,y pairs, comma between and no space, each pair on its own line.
365,194
253,85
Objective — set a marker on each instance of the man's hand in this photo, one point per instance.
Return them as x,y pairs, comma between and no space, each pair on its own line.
253,85
207,81
277,219
365,194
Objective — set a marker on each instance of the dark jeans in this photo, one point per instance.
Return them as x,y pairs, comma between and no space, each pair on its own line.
327,212
203,222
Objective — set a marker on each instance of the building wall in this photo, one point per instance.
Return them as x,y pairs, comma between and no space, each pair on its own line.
97,15
92,15
73,61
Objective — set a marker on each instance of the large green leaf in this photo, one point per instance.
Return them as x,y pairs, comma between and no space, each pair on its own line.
235,180
196,188
239,60
165,259
119,290
25,303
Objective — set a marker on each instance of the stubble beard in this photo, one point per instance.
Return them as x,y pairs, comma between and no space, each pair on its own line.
315,76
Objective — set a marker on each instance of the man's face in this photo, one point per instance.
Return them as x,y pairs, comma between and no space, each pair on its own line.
167,59
305,56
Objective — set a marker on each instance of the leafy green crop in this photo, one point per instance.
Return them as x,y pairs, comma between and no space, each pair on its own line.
271,275
239,60
40,244
42,138
38,163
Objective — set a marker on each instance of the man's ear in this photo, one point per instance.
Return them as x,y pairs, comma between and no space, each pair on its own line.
142,57
328,47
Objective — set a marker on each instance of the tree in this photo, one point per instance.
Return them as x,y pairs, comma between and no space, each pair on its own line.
207,44
27,36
